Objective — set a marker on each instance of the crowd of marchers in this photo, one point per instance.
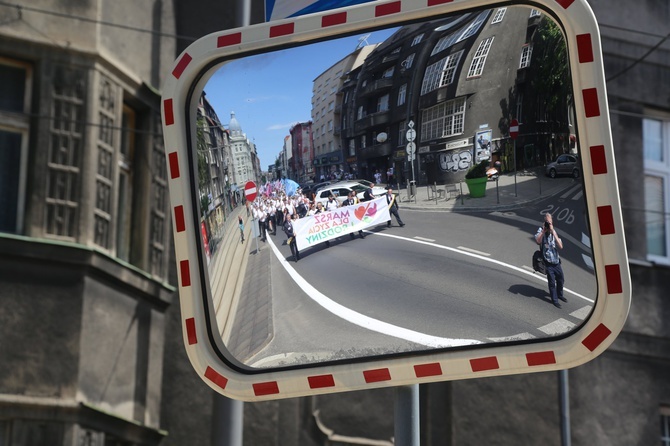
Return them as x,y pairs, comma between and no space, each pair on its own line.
276,208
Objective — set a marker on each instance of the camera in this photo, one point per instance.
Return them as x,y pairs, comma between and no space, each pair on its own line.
546,225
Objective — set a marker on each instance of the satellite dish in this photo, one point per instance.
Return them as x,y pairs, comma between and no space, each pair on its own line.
382,137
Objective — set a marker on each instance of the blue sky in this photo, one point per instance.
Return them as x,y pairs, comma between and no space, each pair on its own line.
271,92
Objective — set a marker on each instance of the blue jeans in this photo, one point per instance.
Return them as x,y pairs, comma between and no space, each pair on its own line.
555,280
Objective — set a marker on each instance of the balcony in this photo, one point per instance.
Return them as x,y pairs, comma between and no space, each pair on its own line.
372,120
377,86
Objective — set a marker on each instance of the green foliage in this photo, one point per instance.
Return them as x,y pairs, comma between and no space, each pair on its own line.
552,80
477,170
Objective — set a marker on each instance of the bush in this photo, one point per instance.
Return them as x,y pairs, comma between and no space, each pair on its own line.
478,170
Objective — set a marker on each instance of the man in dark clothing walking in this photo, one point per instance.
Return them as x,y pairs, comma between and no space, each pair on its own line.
393,207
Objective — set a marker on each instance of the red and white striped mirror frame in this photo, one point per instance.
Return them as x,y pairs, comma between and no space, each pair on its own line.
600,187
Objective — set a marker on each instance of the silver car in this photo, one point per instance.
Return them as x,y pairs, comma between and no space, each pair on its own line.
564,165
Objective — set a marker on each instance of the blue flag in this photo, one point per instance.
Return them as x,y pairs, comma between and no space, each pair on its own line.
290,187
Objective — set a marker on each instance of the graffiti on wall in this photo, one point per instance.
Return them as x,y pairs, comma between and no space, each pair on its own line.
454,161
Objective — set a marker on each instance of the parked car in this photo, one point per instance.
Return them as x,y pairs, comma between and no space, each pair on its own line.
341,191
313,188
564,165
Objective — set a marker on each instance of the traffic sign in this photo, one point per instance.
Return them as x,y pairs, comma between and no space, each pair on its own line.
435,356
411,135
250,190
513,128
411,148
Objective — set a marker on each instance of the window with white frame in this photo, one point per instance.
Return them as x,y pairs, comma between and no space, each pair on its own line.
388,72
656,147
407,63
442,120
383,103
477,65
417,39
440,73
472,29
444,43
352,147
498,17
359,112
15,100
402,134
402,94
526,52
362,141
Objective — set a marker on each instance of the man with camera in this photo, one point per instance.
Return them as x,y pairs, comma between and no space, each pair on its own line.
550,243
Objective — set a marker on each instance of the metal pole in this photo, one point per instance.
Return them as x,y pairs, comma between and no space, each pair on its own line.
564,397
515,168
227,427
406,424
228,412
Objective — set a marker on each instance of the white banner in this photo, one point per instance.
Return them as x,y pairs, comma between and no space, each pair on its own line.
314,229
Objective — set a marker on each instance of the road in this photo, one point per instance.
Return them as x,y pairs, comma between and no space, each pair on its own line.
444,280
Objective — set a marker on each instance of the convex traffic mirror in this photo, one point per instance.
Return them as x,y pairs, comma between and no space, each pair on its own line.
424,94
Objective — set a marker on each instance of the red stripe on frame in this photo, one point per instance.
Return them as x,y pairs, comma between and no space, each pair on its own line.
565,3
229,39
598,160
190,331
540,358
216,377
179,223
174,165
181,65
438,2
185,273
282,30
596,337
389,8
606,220
423,370
613,276
481,364
169,112
585,48
334,19
591,106
317,382
268,388
373,376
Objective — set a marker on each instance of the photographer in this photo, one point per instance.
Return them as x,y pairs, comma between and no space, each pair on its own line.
550,243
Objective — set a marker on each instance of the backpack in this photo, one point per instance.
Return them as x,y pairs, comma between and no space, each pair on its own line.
538,262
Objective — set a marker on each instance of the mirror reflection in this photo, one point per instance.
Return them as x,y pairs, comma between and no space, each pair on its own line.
311,259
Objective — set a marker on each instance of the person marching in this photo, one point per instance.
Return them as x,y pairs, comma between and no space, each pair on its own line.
351,200
393,207
288,230
550,243
240,224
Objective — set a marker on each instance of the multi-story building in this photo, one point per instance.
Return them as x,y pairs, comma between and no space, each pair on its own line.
327,98
243,154
302,146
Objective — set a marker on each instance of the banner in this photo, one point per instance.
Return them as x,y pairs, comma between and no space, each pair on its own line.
314,229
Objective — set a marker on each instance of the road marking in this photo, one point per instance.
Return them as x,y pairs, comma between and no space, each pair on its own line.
474,251
579,195
582,313
516,337
559,326
565,195
365,321
485,259
424,239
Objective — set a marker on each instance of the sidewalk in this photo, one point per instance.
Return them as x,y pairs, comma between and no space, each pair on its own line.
509,192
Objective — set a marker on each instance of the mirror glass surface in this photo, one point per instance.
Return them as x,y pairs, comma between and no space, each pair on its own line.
416,107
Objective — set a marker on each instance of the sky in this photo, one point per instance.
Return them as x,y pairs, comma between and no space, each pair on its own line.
269,93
